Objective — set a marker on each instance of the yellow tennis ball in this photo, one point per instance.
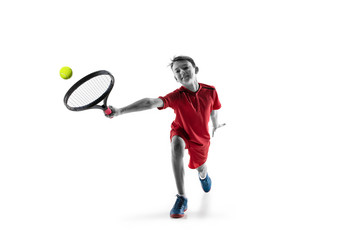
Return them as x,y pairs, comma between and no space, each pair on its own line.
65,72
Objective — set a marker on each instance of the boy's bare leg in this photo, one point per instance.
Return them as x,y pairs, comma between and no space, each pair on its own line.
177,155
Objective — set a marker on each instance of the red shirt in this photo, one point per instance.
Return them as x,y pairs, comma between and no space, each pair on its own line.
193,111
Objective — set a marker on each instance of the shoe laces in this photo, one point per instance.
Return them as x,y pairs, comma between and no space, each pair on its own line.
179,202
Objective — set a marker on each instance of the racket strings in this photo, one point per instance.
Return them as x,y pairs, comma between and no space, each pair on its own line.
90,91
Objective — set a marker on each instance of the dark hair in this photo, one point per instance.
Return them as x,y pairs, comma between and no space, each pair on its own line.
182,58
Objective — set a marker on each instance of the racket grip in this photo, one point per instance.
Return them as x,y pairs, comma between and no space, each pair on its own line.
108,111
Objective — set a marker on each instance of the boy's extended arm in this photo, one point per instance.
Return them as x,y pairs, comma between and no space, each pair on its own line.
215,123
141,105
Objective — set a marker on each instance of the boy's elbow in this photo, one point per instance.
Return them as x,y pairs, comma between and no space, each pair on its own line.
147,101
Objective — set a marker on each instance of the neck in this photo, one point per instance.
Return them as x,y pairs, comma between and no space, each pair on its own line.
194,86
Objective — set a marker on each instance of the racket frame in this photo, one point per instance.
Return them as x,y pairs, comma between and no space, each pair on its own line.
92,105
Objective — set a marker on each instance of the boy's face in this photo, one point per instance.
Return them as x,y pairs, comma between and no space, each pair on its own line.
184,72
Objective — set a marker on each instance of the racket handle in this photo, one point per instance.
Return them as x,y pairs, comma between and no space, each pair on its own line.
108,111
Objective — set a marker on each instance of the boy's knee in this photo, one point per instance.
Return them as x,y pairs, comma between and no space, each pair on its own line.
177,145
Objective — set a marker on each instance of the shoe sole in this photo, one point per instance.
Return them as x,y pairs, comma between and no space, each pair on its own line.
178,215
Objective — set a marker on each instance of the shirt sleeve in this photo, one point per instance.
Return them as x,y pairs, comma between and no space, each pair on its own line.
216,104
170,100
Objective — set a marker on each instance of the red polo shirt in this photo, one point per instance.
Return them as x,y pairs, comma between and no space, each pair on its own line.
192,110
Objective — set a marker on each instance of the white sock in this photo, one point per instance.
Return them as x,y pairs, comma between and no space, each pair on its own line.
202,178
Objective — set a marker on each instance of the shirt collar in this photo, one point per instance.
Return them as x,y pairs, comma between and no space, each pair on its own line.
188,91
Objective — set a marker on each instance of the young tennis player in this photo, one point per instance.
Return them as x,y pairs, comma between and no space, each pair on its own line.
194,104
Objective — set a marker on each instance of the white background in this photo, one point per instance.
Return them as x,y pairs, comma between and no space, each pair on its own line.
286,166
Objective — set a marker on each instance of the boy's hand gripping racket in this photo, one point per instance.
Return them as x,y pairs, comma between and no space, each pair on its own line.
89,91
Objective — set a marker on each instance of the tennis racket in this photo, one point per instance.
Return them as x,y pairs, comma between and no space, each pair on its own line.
89,91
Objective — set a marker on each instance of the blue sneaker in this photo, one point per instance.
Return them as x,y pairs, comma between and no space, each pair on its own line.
179,208
206,183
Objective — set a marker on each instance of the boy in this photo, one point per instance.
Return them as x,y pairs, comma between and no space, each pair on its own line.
194,104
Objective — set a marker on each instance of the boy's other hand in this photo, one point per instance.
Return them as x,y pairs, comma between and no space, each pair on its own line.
216,127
